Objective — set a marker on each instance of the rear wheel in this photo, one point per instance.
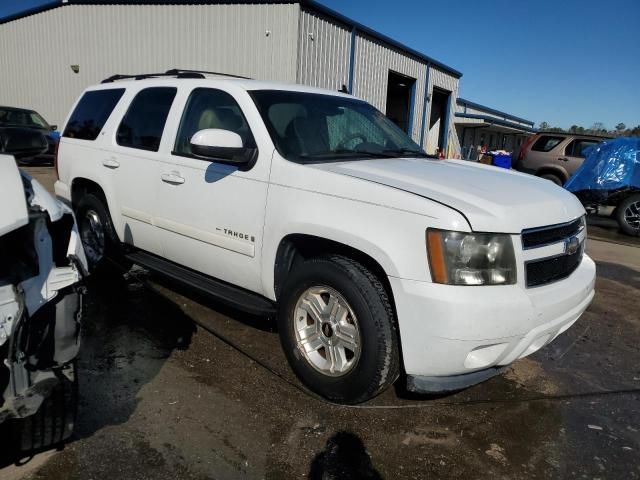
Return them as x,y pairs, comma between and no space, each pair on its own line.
628,215
99,239
552,178
338,330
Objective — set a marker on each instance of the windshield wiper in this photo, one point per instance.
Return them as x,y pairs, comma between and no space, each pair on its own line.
396,152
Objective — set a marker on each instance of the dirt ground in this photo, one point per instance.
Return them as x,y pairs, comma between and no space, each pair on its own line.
174,386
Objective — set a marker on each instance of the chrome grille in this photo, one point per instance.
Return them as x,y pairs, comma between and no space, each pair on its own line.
542,271
538,237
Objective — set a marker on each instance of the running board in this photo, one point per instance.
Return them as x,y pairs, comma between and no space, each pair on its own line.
233,296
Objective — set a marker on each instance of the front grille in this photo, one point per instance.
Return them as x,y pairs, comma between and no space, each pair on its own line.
547,270
537,237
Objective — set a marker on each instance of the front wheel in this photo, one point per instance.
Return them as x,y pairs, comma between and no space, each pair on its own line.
54,421
338,329
628,215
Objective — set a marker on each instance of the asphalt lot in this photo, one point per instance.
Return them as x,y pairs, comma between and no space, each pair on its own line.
175,386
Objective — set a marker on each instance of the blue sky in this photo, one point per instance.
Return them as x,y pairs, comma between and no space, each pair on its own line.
563,61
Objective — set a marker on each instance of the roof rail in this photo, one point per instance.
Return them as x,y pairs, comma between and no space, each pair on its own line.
180,71
174,72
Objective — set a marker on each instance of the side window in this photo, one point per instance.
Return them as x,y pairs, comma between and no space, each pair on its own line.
210,108
577,148
143,123
91,113
546,143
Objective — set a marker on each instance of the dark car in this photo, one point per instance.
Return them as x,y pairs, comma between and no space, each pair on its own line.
26,135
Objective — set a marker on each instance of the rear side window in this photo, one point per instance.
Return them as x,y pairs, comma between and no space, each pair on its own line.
91,113
577,147
546,143
144,122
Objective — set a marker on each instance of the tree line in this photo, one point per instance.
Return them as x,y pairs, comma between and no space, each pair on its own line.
598,128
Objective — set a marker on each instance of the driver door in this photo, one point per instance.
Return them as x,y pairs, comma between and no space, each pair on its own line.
211,214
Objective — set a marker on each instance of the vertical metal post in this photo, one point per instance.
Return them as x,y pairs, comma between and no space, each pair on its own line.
412,99
425,105
352,59
446,125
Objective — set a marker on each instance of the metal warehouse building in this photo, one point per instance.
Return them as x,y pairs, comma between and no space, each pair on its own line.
49,55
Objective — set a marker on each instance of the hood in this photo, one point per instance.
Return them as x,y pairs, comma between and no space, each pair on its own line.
13,203
492,199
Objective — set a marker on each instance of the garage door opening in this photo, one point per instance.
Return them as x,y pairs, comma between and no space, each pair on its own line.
400,93
438,119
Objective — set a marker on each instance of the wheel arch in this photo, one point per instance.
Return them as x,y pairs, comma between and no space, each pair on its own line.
81,186
559,172
297,247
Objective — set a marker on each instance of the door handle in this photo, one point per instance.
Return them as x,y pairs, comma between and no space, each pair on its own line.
111,163
564,159
172,178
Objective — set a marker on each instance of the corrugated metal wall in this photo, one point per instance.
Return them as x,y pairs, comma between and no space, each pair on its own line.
324,50
267,41
373,60
254,40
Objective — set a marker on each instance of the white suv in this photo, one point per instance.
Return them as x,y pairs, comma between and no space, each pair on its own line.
311,203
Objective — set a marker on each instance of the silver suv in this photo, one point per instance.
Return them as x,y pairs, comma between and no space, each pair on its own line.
554,156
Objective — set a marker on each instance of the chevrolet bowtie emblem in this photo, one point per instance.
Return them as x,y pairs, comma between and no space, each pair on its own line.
571,245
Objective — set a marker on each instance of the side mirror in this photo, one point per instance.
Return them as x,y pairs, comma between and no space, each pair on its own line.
219,144
53,127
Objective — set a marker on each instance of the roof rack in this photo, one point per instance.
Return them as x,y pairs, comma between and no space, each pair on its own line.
180,71
174,72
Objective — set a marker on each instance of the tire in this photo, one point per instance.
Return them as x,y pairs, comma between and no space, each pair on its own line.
364,314
552,178
99,239
628,215
54,421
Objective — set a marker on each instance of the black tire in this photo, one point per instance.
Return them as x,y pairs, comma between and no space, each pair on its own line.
628,206
552,178
378,364
54,422
111,260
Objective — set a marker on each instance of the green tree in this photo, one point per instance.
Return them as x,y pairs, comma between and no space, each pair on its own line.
543,126
620,127
573,129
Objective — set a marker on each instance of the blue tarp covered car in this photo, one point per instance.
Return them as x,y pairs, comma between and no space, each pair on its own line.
610,175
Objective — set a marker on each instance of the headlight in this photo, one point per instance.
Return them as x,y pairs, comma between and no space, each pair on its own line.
458,258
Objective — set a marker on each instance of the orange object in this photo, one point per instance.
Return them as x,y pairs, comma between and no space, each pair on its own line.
435,251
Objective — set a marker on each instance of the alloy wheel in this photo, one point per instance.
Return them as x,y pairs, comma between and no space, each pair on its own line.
327,331
632,215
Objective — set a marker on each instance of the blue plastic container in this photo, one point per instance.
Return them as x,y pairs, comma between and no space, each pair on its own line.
502,161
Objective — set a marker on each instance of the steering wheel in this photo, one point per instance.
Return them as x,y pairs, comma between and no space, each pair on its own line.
348,138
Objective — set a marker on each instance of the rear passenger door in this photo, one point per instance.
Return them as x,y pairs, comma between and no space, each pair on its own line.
133,161
574,153
210,214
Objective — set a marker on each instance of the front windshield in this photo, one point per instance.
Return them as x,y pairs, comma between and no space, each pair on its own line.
24,118
311,127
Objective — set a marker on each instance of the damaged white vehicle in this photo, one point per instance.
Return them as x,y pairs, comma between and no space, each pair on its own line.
42,264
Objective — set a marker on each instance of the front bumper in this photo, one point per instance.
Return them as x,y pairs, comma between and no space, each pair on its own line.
457,330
